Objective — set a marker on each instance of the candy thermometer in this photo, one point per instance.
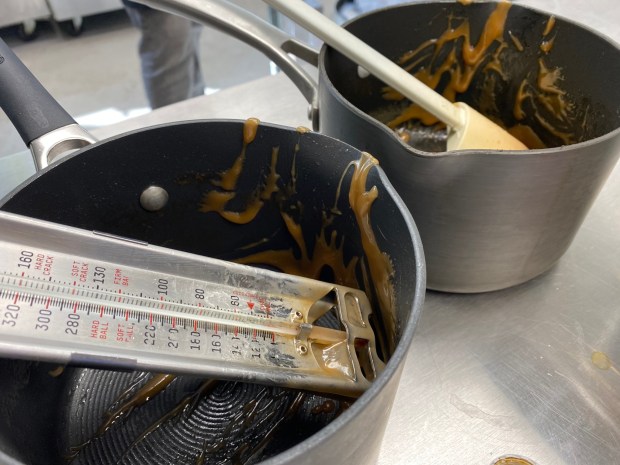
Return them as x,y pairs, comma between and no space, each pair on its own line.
92,299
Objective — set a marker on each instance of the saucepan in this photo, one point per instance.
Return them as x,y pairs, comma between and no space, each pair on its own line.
488,219
154,185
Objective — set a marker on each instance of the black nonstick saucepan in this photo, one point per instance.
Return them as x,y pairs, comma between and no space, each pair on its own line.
50,416
488,219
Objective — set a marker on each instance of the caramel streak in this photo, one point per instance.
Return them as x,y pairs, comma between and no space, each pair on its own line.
155,385
187,404
381,270
460,72
515,40
549,26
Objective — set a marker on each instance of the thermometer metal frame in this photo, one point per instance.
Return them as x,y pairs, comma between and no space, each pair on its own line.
92,299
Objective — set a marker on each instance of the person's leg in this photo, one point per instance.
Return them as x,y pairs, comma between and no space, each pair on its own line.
169,56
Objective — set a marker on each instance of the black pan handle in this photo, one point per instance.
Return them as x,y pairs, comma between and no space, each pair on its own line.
46,128
31,109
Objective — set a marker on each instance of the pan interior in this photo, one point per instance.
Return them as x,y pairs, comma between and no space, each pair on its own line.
195,420
543,78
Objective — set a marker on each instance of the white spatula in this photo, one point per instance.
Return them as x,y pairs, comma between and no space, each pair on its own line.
467,128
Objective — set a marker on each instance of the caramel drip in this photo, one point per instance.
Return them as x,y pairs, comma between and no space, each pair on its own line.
495,63
414,54
547,45
515,40
228,179
381,270
156,384
326,253
216,201
522,95
271,183
547,79
460,72
549,26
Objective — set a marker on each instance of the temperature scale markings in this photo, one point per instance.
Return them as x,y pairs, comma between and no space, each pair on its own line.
127,314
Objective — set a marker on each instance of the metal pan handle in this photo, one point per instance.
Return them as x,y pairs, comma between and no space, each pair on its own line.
40,120
259,34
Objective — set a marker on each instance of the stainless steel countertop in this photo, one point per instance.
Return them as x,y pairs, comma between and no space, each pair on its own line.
515,372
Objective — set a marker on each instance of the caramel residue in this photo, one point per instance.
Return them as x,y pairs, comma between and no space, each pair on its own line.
522,95
381,269
249,130
513,461
328,249
527,135
271,183
256,410
549,26
515,40
459,64
185,406
551,107
56,372
128,400
217,200
326,253
156,384
601,360
548,78
228,179
452,60
547,45
465,2
303,130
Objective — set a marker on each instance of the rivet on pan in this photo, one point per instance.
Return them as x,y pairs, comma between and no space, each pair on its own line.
153,198
302,349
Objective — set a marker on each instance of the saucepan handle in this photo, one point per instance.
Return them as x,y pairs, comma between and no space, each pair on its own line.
254,31
40,120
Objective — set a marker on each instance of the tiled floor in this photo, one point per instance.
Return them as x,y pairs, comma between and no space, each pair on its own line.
96,76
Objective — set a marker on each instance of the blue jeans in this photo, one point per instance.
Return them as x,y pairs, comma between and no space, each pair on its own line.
168,48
